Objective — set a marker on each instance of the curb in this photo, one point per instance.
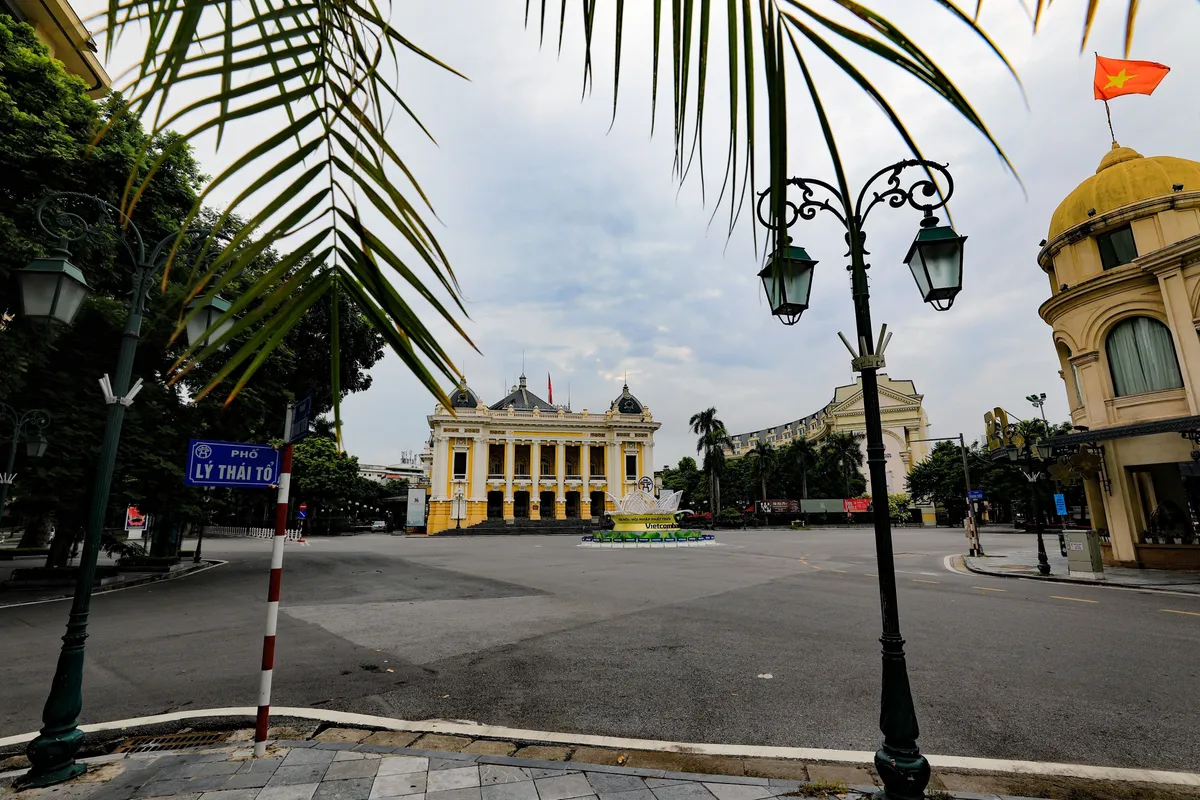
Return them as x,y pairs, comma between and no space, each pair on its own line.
167,576
476,730
1137,587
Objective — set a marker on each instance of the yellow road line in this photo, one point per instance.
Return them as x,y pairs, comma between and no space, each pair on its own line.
1074,599
918,580
1173,611
988,589
870,574
839,570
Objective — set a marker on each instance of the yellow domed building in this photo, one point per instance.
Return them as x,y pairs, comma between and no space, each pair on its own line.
1123,260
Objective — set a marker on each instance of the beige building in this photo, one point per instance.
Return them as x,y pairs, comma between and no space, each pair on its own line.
903,416
60,29
522,458
1123,260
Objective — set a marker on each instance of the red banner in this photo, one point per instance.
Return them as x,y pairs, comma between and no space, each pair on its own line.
856,504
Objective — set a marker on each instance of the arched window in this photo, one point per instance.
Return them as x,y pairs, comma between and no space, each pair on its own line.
1070,375
1141,357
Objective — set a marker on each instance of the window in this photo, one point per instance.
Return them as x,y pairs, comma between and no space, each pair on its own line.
1075,389
1141,357
631,466
1116,247
460,465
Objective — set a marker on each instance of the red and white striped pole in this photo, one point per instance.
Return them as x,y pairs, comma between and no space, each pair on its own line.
268,654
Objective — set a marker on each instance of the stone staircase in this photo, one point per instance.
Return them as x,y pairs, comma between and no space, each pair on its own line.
526,527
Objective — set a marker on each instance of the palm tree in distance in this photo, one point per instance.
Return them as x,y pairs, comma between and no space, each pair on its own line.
801,456
765,459
843,450
710,441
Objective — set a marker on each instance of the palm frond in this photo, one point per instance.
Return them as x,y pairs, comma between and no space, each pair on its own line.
695,25
323,64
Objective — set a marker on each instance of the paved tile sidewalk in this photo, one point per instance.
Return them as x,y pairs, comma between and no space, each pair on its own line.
1024,563
318,770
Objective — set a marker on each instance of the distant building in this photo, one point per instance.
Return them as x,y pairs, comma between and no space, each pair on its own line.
59,27
522,458
1123,263
904,420
407,468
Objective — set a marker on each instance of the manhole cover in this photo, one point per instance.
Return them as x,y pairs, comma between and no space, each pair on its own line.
174,741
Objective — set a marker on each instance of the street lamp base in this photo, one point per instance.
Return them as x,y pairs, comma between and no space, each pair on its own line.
904,777
36,778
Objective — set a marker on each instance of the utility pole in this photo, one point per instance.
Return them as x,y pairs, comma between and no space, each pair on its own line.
974,546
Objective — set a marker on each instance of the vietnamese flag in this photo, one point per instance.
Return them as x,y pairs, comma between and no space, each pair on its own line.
1116,76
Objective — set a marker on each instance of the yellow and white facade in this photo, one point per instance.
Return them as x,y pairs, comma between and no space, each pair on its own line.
60,29
1123,261
524,459
903,416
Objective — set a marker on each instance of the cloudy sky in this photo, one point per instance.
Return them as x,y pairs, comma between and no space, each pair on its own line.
575,245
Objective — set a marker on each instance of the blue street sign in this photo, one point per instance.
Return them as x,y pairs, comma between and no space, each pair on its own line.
975,494
247,466
1060,505
300,419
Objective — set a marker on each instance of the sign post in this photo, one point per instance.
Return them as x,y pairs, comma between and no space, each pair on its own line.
268,656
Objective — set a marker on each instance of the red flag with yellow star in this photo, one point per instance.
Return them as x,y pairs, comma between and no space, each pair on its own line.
1116,76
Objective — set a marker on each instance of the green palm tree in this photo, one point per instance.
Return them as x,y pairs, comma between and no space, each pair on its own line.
711,438
763,466
844,452
314,85
801,456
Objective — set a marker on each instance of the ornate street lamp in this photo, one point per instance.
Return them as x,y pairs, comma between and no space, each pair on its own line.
208,317
52,288
787,280
28,424
935,260
52,753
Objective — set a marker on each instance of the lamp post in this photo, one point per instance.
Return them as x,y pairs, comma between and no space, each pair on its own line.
1039,401
52,291
935,260
973,542
35,443
1031,457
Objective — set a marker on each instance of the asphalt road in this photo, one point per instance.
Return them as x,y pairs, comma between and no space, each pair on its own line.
536,632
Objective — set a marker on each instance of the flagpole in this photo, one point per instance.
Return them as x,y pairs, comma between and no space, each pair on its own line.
1108,114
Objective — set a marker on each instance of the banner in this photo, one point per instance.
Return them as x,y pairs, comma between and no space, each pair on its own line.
857,504
778,506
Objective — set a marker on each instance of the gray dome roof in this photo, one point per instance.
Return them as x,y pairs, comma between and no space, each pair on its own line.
463,397
522,399
627,403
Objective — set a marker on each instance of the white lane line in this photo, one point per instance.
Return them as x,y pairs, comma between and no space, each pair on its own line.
751,751
918,580
1173,611
988,589
120,588
1073,599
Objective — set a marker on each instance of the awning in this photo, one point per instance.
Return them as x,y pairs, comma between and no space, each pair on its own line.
1176,425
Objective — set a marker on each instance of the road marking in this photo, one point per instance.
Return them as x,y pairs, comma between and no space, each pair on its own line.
988,589
918,580
929,573
1189,613
870,574
1073,599
476,730
840,570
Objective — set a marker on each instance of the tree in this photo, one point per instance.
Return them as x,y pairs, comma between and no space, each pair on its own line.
898,505
798,460
765,458
685,478
323,477
47,124
711,439
841,459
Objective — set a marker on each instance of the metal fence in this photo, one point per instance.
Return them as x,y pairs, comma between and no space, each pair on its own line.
293,534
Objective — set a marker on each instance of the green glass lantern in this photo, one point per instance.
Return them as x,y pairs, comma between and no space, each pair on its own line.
787,279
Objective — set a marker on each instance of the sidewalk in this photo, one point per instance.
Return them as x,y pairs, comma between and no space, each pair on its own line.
1023,563
352,770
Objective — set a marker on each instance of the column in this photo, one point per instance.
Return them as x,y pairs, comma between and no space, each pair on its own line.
480,452
1187,344
585,469
535,495
648,467
616,480
560,473
441,467
509,467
